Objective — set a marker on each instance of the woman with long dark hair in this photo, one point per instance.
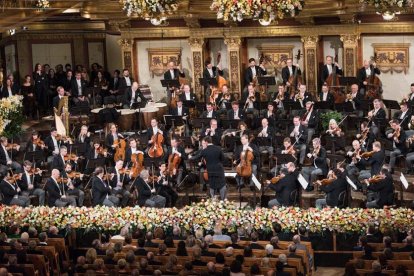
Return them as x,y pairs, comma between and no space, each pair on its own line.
40,85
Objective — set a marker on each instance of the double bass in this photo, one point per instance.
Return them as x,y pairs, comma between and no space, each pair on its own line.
295,80
156,149
374,85
244,168
220,80
333,83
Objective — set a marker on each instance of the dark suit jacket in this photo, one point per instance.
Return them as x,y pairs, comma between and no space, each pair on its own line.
150,133
362,75
375,162
184,111
325,73
5,93
286,73
215,138
50,146
58,163
385,188
284,188
256,153
248,74
330,98
405,120
167,74
401,144
74,90
333,190
254,245
8,192
53,192
230,114
100,189
193,97
206,74
114,84
313,119
320,161
3,159
358,99
302,130
183,155
123,85
23,184
128,96
144,191
124,178
55,102
214,114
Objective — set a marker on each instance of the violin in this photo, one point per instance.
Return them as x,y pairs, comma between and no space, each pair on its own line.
367,154
38,142
63,138
71,157
174,161
137,160
244,168
33,171
396,133
363,136
376,179
74,174
14,178
63,180
107,177
325,181
336,131
120,146
156,149
276,179
102,151
12,146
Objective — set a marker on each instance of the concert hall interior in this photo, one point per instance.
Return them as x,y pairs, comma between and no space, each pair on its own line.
206,137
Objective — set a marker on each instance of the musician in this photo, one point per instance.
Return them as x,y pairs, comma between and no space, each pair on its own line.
365,72
283,188
319,165
173,72
353,157
101,84
108,114
279,96
332,190
147,193
31,181
96,151
384,188
11,192
410,98
61,93
288,71
32,144
114,83
355,98
335,131
6,156
59,161
57,191
112,136
180,110
132,149
303,96
213,156
224,97
101,190
265,131
310,120
251,100
399,143
177,149
211,72
187,95
124,82
52,144
210,112
239,154
403,115
213,131
253,71
375,116
235,113
270,114
75,186
326,96
300,135
78,90
328,68
153,130
118,181
133,96
164,188
84,138
409,158
375,161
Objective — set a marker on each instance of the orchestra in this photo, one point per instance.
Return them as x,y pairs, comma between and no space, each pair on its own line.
231,132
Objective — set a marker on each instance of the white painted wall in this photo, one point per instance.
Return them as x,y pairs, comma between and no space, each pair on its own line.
395,85
328,42
96,53
217,45
10,53
113,53
52,54
143,65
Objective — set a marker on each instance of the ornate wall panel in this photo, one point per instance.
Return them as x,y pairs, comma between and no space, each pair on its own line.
233,48
350,42
311,64
196,45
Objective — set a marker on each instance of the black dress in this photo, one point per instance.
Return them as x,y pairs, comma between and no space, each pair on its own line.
29,102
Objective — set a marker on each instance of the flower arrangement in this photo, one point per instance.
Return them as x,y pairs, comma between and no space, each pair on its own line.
206,215
11,115
256,9
42,4
149,8
388,5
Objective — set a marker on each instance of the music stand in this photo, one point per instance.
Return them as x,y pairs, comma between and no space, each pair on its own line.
263,141
200,106
170,83
322,105
230,123
346,81
201,122
79,148
346,107
150,162
189,104
291,105
186,141
34,156
284,158
94,163
171,120
266,81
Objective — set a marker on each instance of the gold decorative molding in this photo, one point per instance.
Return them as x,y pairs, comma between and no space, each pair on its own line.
233,42
350,40
310,41
196,43
126,44
197,57
192,21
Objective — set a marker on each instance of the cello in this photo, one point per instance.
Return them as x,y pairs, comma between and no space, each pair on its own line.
137,160
156,149
244,168
174,161
295,80
120,146
374,85
334,86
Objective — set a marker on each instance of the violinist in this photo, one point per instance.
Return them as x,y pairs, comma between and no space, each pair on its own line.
154,130
147,194
375,160
287,147
319,165
30,182
335,131
364,135
239,154
399,143
12,194
119,179
187,95
251,101
176,173
213,156
326,96
299,134
383,186
284,187
302,96
35,143
235,113
378,113
336,185
353,157
403,115
101,190
266,134
97,151
132,149
253,71
224,98
75,186
212,131
310,119
84,136
209,112
52,144
164,188
364,73
329,68
7,151
410,97
59,161
289,71
57,191
112,136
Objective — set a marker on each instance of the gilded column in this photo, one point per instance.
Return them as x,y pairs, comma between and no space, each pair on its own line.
311,64
126,49
196,46
233,53
350,42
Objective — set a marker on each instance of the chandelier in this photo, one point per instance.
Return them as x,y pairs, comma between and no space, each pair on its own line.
388,8
263,10
153,10
42,4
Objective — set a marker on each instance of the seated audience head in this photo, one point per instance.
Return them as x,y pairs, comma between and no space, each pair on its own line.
269,249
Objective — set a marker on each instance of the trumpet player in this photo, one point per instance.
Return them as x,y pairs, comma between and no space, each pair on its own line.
266,132
251,101
355,98
235,113
325,96
303,96
213,131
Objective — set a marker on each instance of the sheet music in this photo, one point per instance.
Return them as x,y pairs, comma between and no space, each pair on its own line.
352,184
404,181
230,174
256,182
303,181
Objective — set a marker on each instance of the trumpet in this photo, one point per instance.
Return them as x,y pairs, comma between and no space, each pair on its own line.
298,97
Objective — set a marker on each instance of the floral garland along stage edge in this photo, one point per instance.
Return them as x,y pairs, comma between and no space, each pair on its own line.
256,9
149,8
205,215
11,117
388,5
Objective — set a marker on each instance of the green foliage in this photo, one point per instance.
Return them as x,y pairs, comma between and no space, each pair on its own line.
14,128
327,116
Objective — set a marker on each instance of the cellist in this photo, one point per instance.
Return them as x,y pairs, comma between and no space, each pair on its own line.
176,170
111,138
153,132
132,149
246,146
